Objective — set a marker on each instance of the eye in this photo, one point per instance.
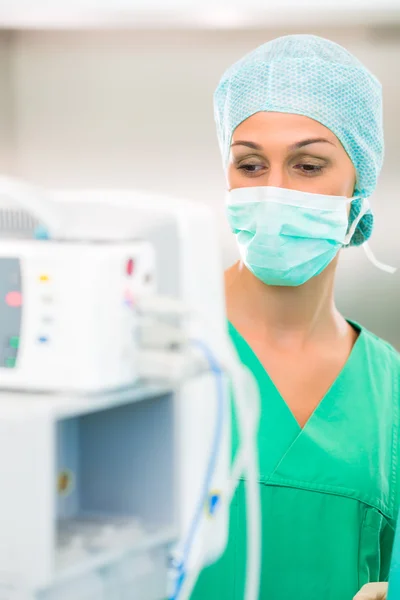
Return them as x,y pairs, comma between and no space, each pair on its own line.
309,168
249,168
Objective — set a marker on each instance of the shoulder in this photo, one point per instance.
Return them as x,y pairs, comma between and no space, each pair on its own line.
382,377
380,373
380,350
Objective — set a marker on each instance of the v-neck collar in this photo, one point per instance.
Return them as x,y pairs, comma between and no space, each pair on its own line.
344,449
260,371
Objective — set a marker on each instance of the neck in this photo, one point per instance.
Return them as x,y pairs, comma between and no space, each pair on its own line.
288,314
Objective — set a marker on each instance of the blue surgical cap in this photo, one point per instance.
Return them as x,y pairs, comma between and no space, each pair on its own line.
311,76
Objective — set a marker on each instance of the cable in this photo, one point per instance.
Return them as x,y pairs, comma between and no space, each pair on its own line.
246,461
216,370
248,418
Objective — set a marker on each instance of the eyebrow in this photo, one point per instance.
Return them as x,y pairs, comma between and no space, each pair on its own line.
295,146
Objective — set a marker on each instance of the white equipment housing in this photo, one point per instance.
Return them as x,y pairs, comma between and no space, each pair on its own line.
67,320
95,488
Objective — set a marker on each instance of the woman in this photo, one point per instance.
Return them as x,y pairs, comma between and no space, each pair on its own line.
300,128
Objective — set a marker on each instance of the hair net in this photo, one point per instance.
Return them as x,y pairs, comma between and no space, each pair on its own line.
314,77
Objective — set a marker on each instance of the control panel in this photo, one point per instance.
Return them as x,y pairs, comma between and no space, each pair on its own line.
67,313
10,311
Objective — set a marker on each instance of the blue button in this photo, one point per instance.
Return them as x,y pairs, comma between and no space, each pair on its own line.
213,502
43,339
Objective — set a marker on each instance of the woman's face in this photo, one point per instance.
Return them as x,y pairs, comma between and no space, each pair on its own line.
289,151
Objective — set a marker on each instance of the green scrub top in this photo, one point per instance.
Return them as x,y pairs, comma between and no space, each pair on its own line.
329,492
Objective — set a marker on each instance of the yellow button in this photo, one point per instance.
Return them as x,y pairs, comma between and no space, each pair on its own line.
44,278
65,482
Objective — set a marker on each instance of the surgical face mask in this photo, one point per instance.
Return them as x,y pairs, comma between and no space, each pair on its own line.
286,237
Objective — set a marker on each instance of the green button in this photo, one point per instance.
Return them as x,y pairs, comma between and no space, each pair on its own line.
14,342
10,362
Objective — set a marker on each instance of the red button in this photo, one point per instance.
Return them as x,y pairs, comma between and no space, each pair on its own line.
130,266
14,299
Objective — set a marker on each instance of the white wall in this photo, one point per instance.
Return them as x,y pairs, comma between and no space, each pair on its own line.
7,129
135,109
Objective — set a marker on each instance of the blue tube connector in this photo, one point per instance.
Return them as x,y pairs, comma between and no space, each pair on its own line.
41,233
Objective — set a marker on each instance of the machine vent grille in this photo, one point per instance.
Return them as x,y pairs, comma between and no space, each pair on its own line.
15,222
